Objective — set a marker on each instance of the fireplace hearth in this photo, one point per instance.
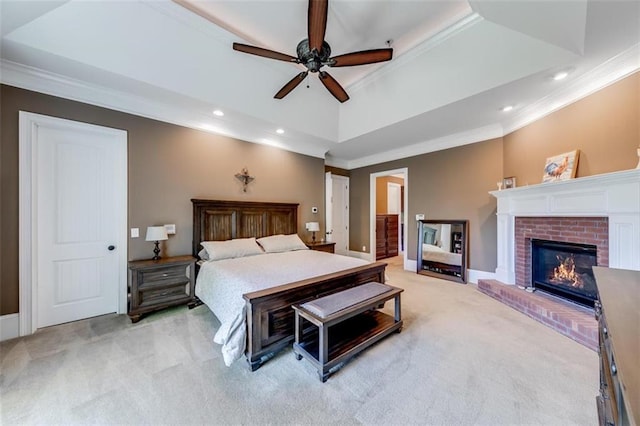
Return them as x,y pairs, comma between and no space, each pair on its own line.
565,270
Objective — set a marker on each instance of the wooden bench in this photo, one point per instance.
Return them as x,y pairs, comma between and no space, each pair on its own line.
345,323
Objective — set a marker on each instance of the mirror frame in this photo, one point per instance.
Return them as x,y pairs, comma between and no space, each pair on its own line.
453,275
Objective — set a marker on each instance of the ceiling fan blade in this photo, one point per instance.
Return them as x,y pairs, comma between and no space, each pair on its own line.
333,86
259,51
361,58
317,23
291,85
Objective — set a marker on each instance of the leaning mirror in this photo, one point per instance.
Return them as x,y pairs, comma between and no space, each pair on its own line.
442,249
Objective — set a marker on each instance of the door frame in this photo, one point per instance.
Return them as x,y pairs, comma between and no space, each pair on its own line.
328,205
372,210
400,221
28,212
343,180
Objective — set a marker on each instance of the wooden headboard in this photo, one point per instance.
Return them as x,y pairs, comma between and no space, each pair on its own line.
216,220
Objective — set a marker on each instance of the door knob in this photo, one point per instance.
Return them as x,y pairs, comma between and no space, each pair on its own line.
111,248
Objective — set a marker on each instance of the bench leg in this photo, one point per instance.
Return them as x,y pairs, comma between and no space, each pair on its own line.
298,327
323,345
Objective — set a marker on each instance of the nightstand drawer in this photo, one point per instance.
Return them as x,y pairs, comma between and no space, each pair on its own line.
163,276
155,295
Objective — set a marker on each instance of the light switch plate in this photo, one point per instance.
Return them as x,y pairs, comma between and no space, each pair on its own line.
171,228
420,216
135,232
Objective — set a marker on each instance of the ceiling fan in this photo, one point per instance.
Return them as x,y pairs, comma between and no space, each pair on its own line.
314,53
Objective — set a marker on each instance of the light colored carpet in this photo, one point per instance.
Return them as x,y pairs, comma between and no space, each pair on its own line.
462,359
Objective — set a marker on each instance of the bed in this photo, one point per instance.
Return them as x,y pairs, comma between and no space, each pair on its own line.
266,322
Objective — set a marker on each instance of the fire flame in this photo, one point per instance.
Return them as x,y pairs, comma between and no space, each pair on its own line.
566,272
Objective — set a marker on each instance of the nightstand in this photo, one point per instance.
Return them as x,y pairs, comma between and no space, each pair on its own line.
321,246
158,284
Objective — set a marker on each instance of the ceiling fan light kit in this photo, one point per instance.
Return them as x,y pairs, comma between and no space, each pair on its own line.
314,53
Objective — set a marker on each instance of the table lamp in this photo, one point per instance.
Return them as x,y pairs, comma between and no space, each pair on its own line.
157,234
313,227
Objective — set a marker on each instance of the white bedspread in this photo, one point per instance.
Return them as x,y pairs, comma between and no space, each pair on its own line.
220,285
436,254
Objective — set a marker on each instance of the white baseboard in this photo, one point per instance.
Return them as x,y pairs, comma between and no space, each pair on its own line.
473,276
411,265
9,326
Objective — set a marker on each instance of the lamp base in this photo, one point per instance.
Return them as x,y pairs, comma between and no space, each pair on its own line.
313,237
156,252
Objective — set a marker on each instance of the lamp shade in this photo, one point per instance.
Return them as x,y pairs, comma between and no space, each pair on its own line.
313,226
156,233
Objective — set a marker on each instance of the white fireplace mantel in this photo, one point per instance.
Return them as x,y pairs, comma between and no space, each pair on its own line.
613,195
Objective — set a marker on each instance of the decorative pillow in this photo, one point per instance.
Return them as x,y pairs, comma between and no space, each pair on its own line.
240,247
280,243
203,255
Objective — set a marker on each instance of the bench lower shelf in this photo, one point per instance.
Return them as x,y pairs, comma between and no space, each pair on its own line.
346,339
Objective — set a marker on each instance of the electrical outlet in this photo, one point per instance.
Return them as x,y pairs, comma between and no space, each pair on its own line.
420,216
135,232
364,248
171,228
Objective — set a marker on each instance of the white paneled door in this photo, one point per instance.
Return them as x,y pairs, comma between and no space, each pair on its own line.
337,189
77,184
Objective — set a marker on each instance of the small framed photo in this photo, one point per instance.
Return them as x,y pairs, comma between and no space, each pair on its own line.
509,182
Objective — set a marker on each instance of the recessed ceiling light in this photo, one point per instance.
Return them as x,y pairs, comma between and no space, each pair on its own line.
279,131
560,76
218,113
507,108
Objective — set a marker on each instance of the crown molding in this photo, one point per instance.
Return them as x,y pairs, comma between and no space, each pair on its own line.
30,78
336,162
615,69
609,72
37,80
430,43
450,141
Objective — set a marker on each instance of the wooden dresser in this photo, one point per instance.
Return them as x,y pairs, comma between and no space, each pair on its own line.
618,314
386,236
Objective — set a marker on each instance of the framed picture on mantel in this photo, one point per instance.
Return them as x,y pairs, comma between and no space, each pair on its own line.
509,182
561,167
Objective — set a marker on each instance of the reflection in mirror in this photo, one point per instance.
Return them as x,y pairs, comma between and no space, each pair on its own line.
442,249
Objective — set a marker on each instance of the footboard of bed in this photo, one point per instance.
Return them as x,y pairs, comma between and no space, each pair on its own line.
270,318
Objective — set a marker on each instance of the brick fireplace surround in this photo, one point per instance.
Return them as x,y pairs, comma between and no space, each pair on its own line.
601,210
582,230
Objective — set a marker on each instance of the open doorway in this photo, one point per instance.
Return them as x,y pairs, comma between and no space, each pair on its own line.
388,214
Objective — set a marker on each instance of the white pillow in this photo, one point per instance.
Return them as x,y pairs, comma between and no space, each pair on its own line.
280,243
203,255
240,247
